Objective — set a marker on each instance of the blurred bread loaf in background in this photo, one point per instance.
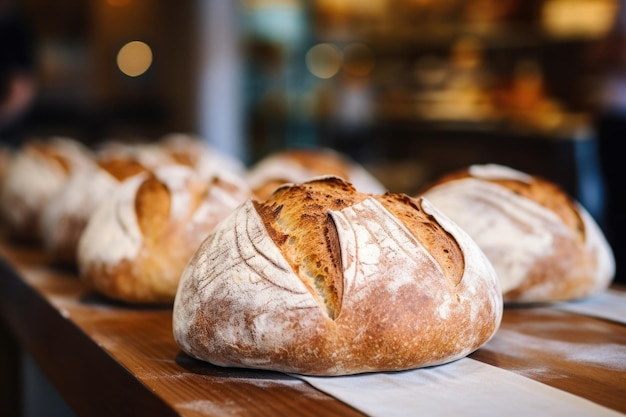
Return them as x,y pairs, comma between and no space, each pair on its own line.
544,245
35,172
302,164
137,242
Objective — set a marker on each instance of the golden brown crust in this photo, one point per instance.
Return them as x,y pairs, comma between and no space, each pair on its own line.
267,188
296,217
152,208
316,162
119,282
121,168
321,163
429,233
183,158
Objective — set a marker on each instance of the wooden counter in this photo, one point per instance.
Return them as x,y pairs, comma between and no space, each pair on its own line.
111,359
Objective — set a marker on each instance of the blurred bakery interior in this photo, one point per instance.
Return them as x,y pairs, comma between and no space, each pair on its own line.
409,88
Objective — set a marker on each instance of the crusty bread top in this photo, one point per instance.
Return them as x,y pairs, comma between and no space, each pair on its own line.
297,219
137,242
150,155
68,153
543,192
429,232
140,214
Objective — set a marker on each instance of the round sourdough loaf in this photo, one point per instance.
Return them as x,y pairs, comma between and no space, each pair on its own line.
66,214
193,151
149,154
137,242
34,175
300,165
320,279
543,244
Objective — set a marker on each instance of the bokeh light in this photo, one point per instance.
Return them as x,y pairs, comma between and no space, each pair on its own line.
583,18
134,58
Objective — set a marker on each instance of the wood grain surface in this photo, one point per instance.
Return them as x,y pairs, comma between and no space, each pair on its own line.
108,358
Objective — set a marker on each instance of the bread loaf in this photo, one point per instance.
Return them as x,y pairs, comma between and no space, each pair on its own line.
150,155
543,244
192,151
66,214
321,279
139,239
300,165
35,173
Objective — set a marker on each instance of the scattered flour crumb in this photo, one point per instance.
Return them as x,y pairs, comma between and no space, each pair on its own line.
209,408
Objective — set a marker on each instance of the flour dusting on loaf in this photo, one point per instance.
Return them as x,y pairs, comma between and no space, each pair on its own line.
66,214
112,234
34,175
137,243
321,279
544,245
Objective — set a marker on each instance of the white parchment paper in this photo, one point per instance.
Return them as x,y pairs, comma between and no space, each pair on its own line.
467,388
609,304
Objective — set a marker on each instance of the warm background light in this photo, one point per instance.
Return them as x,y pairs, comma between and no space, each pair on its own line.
118,3
584,18
134,58
358,59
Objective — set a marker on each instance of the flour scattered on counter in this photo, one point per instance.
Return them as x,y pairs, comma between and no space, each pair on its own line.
612,356
599,355
206,407
540,371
